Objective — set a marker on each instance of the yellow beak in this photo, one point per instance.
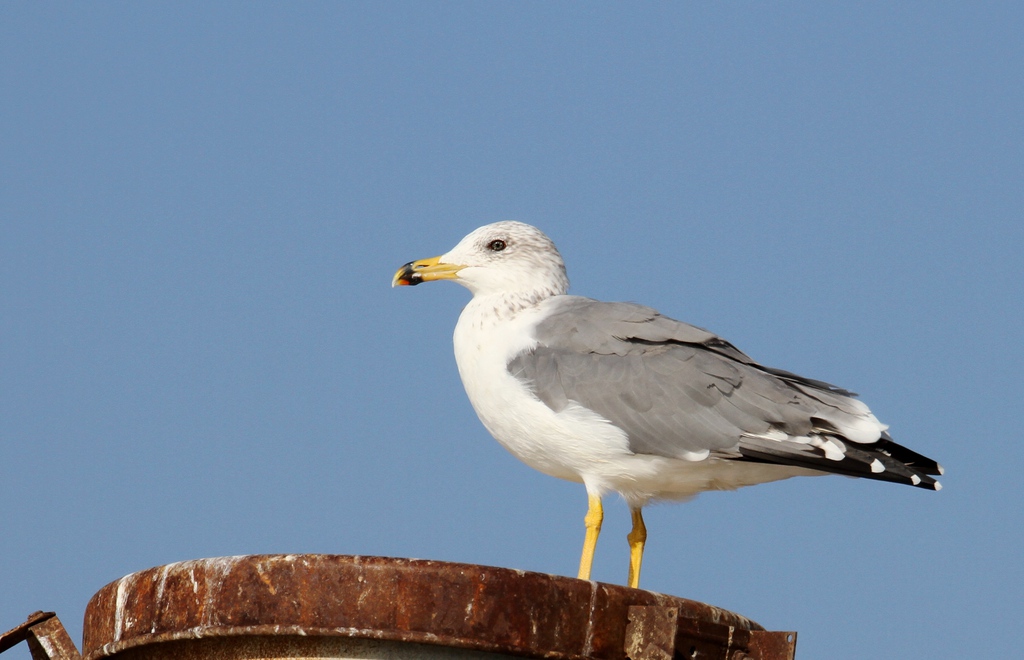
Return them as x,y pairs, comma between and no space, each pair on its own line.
425,270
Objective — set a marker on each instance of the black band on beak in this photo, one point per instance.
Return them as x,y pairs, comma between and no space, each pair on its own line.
407,276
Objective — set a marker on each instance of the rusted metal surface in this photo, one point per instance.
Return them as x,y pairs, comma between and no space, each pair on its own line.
286,647
46,638
303,599
19,633
775,645
662,633
651,632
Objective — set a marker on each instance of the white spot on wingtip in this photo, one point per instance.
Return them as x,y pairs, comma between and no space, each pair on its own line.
695,455
914,479
938,486
941,471
834,448
876,466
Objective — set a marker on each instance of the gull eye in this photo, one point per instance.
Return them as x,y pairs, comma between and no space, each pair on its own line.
496,245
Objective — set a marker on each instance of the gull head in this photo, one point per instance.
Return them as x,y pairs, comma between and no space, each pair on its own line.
505,258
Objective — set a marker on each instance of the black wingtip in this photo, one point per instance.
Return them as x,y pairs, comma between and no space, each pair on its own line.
882,461
913,460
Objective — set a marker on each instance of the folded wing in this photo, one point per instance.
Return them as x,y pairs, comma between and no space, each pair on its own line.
680,391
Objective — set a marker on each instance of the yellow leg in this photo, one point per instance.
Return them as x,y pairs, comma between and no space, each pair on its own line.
637,537
595,514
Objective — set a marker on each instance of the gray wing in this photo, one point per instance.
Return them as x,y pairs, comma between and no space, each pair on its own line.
678,390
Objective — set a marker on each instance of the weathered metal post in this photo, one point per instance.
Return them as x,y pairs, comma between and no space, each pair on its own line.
46,637
333,606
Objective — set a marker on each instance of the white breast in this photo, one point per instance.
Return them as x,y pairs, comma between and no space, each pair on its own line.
572,444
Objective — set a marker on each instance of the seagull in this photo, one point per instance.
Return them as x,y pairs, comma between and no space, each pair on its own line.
622,399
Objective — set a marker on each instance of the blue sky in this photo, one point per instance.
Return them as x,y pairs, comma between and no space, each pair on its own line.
202,205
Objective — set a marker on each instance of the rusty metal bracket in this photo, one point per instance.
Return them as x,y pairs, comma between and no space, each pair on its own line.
651,632
46,638
766,644
659,633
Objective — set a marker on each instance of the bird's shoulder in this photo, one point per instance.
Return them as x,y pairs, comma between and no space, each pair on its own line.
585,325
